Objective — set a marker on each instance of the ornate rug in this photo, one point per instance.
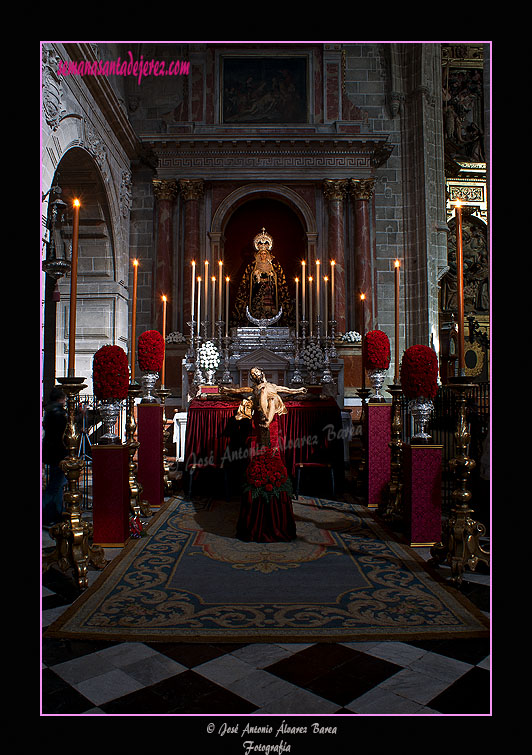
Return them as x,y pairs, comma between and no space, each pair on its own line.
343,579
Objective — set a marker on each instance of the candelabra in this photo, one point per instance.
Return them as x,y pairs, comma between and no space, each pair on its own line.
297,378
138,506
191,350
73,533
163,394
327,374
392,497
333,352
226,377
460,545
198,378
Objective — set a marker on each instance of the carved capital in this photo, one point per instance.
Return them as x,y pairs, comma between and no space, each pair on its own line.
165,189
335,189
191,188
362,188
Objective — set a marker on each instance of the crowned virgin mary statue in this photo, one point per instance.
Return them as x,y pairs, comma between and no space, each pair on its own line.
263,288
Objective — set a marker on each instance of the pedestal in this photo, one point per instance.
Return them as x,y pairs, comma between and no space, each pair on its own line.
378,451
422,488
150,454
110,490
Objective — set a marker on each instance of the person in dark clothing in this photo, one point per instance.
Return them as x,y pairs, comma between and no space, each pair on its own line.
54,451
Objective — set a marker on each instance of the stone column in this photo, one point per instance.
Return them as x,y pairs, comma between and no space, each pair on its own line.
191,191
334,191
361,191
165,192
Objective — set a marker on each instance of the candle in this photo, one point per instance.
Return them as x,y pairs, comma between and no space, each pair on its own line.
326,316
206,295
164,340
363,299
333,263
193,289
226,305
199,303
134,319
297,307
303,278
396,373
213,281
220,273
310,302
460,288
73,292
318,294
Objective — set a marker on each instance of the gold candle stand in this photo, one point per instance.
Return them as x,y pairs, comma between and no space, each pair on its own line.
460,547
163,393
73,533
391,507
139,507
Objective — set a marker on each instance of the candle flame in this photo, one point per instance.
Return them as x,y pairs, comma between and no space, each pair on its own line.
303,262
164,298
193,263
76,203
397,263
325,278
227,279
458,203
310,278
296,280
318,262
213,278
199,278
333,263
136,262
220,263
362,296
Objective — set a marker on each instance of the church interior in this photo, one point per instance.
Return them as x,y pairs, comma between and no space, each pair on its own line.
265,251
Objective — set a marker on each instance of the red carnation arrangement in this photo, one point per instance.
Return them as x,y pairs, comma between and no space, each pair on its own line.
110,373
267,476
151,351
376,348
419,372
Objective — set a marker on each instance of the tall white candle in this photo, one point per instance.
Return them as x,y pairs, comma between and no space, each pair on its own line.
213,306
326,317
303,279
220,273
226,305
318,291
297,307
333,264
206,294
310,302
199,303
193,289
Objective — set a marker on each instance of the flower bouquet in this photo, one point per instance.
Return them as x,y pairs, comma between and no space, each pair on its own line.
175,337
266,475
312,359
376,359
208,360
151,357
110,378
352,336
419,383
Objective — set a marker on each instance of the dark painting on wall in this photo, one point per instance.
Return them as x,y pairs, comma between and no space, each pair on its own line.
264,90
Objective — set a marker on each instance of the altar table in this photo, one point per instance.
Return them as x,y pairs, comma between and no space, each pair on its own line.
312,432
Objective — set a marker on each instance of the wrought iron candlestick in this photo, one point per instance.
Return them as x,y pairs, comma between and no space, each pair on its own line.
73,533
460,547
138,506
392,497
163,394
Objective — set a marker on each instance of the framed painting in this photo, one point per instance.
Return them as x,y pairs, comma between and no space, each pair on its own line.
264,90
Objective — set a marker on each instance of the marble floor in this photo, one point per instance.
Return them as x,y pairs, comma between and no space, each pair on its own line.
433,677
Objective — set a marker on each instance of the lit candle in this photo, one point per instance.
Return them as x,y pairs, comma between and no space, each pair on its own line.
303,279
318,292
206,294
226,305
220,274
326,316
310,302
199,303
193,288
297,307
213,281
134,319
460,288
73,292
396,374
164,340
333,263
363,299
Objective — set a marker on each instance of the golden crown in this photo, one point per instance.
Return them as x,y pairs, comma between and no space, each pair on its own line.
263,238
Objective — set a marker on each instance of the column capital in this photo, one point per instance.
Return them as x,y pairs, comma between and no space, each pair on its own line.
165,189
191,188
335,188
361,188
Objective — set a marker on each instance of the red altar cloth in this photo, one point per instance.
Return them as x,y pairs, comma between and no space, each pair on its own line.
110,495
378,454
311,431
422,488
150,454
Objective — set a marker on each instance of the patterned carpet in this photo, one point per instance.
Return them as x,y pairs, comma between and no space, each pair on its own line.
345,579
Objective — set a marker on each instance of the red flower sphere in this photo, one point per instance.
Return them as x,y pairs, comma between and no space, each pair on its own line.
110,373
266,474
419,372
151,351
376,348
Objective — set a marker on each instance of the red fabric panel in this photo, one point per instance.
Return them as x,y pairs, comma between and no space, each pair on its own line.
266,522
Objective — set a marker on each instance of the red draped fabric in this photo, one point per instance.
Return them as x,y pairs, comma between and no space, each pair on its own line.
262,521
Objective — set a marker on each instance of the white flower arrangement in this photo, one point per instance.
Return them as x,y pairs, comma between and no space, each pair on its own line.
209,358
351,337
312,357
175,337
